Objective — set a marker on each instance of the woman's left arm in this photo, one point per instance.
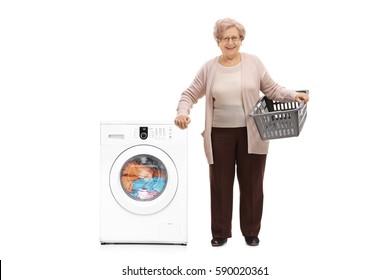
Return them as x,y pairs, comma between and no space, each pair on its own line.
274,91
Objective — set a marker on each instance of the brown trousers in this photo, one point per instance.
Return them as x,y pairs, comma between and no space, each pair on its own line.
230,149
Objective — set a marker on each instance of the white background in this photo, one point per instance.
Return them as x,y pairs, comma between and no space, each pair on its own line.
67,65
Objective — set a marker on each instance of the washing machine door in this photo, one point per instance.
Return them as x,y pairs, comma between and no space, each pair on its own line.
143,179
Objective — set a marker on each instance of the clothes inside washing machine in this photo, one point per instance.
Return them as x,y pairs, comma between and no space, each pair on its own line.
143,177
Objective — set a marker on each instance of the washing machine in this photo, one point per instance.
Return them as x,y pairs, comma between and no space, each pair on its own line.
143,192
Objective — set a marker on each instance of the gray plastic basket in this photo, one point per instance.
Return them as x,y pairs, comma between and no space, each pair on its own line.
276,120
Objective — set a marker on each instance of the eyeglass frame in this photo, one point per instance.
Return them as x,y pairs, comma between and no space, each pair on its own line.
233,38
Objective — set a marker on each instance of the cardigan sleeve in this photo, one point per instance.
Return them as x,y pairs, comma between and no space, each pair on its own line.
273,90
193,93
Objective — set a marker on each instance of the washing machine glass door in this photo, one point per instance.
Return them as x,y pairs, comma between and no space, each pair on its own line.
143,179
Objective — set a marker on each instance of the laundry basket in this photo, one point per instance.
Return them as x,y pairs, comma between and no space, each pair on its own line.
276,120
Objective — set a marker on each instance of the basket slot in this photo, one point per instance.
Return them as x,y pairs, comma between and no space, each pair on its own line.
280,106
281,116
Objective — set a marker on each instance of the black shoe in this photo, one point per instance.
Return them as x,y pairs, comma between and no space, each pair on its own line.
252,241
216,242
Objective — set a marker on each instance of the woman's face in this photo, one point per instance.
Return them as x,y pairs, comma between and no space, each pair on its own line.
230,43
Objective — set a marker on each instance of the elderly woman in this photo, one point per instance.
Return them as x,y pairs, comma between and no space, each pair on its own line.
231,84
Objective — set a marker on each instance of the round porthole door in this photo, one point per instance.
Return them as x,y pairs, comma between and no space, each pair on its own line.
143,179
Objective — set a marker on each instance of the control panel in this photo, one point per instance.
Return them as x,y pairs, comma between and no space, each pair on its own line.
153,132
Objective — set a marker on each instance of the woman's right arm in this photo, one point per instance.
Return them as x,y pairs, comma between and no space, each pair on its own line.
190,97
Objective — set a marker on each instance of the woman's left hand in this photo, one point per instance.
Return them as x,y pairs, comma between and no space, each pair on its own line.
302,97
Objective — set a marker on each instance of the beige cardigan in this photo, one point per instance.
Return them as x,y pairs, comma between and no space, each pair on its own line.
254,78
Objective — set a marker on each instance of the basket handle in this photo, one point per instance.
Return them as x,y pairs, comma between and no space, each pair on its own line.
303,90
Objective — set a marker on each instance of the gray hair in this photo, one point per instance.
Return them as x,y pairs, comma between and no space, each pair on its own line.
223,24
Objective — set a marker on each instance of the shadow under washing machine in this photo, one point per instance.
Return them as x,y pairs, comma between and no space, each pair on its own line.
143,193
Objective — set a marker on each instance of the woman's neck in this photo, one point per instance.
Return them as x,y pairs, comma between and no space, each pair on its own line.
229,61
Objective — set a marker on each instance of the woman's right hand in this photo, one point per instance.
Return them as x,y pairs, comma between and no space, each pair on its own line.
182,121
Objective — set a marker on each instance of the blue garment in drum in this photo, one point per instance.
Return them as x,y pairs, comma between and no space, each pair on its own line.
148,188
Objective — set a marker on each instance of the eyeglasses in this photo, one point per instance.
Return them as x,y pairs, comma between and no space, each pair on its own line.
234,39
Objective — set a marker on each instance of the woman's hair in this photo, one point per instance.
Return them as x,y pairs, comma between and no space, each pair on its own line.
223,24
